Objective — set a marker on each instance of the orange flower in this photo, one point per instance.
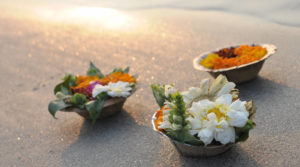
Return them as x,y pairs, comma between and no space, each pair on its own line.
117,76
251,51
244,54
159,118
82,83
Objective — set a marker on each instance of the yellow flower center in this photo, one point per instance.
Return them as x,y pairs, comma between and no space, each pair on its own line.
218,113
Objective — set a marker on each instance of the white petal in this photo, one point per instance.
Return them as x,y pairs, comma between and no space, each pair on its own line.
169,89
195,92
200,108
164,125
204,86
193,132
224,100
237,118
217,85
195,110
195,123
99,89
221,125
119,89
226,89
187,98
212,121
212,116
206,135
238,106
166,112
225,136
206,104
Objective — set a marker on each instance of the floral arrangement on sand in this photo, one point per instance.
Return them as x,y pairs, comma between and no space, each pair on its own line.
90,91
205,115
233,56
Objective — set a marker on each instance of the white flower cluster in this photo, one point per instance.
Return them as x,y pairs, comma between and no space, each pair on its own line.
212,112
118,89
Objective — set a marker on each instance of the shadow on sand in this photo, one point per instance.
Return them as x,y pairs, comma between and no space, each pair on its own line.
117,140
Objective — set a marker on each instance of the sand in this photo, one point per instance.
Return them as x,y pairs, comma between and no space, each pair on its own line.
159,45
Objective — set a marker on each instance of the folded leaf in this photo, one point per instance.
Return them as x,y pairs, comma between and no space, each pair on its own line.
64,87
93,70
56,105
94,108
184,136
126,70
242,134
159,94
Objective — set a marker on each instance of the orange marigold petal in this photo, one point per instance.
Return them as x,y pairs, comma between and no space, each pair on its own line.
117,76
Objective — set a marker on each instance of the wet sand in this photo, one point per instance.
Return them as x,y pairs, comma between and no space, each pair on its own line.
159,45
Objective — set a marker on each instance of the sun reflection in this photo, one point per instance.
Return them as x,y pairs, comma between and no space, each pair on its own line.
92,16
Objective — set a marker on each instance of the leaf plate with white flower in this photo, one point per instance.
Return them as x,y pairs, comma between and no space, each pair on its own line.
205,120
93,95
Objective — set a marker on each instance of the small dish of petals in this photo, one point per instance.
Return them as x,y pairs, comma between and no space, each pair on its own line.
240,63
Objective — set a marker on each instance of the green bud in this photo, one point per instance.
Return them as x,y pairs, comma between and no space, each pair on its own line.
60,95
177,119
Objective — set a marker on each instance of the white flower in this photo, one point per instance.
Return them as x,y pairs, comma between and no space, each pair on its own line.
226,89
216,120
118,89
169,89
193,93
220,87
99,89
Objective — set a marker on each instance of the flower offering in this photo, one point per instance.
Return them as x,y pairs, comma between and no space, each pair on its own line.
205,115
230,57
91,91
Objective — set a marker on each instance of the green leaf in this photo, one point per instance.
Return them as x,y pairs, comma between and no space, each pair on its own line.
159,94
242,134
118,70
64,87
94,108
184,136
93,70
132,85
78,99
56,105
126,70
135,76
102,96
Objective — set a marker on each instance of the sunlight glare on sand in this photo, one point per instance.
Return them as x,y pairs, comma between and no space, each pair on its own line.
92,16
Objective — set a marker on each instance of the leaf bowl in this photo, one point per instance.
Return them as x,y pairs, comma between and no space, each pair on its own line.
193,150
237,74
111,107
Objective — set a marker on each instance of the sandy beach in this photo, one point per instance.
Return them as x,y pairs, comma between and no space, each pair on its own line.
37,47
